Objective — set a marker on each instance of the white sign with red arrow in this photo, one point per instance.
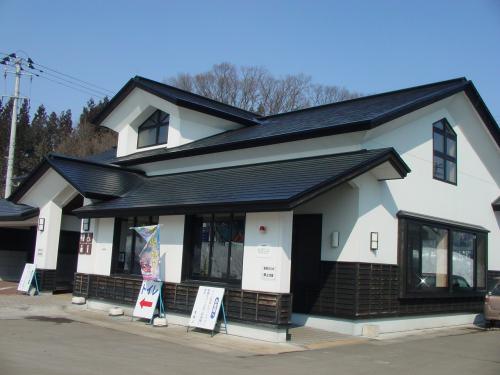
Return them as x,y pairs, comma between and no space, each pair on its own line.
147,299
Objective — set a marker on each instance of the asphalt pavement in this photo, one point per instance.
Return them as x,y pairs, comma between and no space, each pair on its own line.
48,339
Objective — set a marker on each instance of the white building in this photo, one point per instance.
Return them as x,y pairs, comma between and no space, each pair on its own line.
381,210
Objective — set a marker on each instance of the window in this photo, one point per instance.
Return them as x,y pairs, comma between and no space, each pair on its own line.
442,258
128,244
445,152
154,131
215,246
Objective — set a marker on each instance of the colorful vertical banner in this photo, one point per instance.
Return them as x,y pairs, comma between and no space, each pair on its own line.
149,257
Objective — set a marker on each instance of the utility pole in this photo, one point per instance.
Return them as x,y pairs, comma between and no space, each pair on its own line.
13,126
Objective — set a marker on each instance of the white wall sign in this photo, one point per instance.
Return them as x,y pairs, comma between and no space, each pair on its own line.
268,272
26,278
206,307
147,299
264,251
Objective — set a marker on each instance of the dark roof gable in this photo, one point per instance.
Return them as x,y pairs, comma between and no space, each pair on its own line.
347,116
10,211
266,186
181,98
91,179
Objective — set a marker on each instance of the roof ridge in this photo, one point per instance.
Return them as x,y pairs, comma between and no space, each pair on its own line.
137,77
462,79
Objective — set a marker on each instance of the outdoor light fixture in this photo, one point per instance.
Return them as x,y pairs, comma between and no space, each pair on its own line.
262,229
41,224
86,225
335,239
373,240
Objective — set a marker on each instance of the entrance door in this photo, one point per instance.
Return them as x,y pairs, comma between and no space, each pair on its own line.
306,261
67,260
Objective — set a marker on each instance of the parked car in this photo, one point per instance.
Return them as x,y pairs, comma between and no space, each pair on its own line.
492,304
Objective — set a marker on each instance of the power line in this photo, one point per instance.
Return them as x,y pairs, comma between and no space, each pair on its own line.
69,81
74,78
72,87
30,64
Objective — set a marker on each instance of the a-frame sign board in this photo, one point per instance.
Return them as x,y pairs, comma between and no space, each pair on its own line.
206,309
27,278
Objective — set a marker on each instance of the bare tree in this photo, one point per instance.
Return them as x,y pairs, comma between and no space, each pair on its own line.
255,89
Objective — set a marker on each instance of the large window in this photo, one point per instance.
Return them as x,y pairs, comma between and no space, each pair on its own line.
445,152
128,244
154,131
214,244
443,258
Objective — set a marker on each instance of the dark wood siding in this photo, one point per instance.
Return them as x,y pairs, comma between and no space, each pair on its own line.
368,290
46,280
241,305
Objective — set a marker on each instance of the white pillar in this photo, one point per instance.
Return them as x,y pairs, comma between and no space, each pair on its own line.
47,241
171,247
267,257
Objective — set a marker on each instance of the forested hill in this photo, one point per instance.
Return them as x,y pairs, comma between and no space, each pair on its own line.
45,132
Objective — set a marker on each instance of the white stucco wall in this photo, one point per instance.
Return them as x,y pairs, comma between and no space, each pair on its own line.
171,247
185,124
262,154
478,169
50,193
354,210
99,261
272,249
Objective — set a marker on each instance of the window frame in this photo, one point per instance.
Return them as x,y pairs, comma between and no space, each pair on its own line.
187,270
446,132
157,124
405,259
116,244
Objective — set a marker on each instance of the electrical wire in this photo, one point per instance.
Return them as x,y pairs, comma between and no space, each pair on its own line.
97,92
72,87
73,81
74,78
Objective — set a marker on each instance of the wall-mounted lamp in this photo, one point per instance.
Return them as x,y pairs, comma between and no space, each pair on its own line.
262,229
373,240
41,224
335,239
86,225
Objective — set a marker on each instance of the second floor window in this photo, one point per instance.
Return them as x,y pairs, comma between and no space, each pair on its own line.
445,152
154,131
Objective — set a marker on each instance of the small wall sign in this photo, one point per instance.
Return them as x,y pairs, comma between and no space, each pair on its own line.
85,246
268,272
263,251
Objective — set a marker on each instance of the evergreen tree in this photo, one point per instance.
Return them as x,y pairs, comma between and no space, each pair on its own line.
23,162
41,142
87,139
64,128
5,117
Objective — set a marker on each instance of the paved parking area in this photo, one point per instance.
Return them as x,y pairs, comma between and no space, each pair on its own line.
41,335
8,288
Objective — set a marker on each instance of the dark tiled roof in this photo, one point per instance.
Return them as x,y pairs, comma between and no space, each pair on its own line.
16,212
103,157
95,180
91,179
496,204
180,97
347,116
275,185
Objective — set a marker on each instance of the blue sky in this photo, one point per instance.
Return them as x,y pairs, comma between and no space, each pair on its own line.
366,46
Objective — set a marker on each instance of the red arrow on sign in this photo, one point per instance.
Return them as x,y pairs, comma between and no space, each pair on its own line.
145,303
